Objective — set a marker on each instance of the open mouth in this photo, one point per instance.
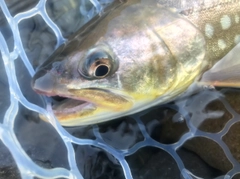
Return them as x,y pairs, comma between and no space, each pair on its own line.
87,106
65,106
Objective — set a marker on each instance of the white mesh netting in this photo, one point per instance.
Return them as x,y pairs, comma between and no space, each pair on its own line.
151,144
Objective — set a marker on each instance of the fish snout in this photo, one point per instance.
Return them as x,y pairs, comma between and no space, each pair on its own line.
43,82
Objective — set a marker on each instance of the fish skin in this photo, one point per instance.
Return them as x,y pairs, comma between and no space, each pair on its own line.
219,23
156,52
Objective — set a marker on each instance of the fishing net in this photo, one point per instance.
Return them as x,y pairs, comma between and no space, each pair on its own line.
193,138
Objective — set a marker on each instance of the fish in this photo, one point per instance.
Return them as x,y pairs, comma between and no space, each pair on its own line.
137,55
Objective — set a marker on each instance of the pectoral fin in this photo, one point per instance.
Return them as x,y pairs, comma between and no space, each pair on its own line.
226,72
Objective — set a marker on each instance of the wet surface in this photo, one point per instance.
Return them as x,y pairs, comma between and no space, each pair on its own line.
201,132
8,167
161,125
40,140
96,163
38,39
24,81
195,164
64,13
122,134
232,140
16,6
153,163
210,152
4,95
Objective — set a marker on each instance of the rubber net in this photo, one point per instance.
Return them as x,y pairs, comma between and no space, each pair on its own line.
184,139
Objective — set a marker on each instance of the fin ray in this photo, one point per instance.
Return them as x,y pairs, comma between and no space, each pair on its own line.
226,72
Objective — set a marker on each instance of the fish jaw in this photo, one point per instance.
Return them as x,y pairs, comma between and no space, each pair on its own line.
82,106
75,113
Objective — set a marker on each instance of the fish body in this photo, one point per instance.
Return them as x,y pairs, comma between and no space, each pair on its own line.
138,55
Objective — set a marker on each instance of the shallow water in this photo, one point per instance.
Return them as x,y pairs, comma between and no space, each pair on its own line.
196,137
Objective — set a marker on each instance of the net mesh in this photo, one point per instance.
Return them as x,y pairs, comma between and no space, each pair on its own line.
119,153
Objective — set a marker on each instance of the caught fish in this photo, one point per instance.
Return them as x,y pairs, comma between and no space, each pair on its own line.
138,55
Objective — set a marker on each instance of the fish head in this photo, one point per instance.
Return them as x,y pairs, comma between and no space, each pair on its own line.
121,66
99,84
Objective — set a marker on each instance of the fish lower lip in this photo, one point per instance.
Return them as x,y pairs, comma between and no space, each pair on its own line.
62,105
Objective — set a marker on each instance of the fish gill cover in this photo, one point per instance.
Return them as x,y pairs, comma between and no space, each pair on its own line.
194,138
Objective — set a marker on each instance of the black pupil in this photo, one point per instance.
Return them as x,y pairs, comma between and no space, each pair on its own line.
101,70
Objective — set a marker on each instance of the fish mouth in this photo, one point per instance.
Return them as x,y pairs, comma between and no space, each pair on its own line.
63,106
67,106
87,106
81,106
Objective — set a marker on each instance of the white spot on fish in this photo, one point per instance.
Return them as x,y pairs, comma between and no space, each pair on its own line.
221,44
119,81
225,22
237,39
209,30
237,18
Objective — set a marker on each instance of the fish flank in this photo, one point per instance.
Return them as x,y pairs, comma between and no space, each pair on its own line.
219,23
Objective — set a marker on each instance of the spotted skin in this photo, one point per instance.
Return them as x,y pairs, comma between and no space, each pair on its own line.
220,24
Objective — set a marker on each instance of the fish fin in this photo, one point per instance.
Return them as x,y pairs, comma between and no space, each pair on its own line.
226,72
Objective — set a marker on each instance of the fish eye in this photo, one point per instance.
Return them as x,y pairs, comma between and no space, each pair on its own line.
98,64
100,68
